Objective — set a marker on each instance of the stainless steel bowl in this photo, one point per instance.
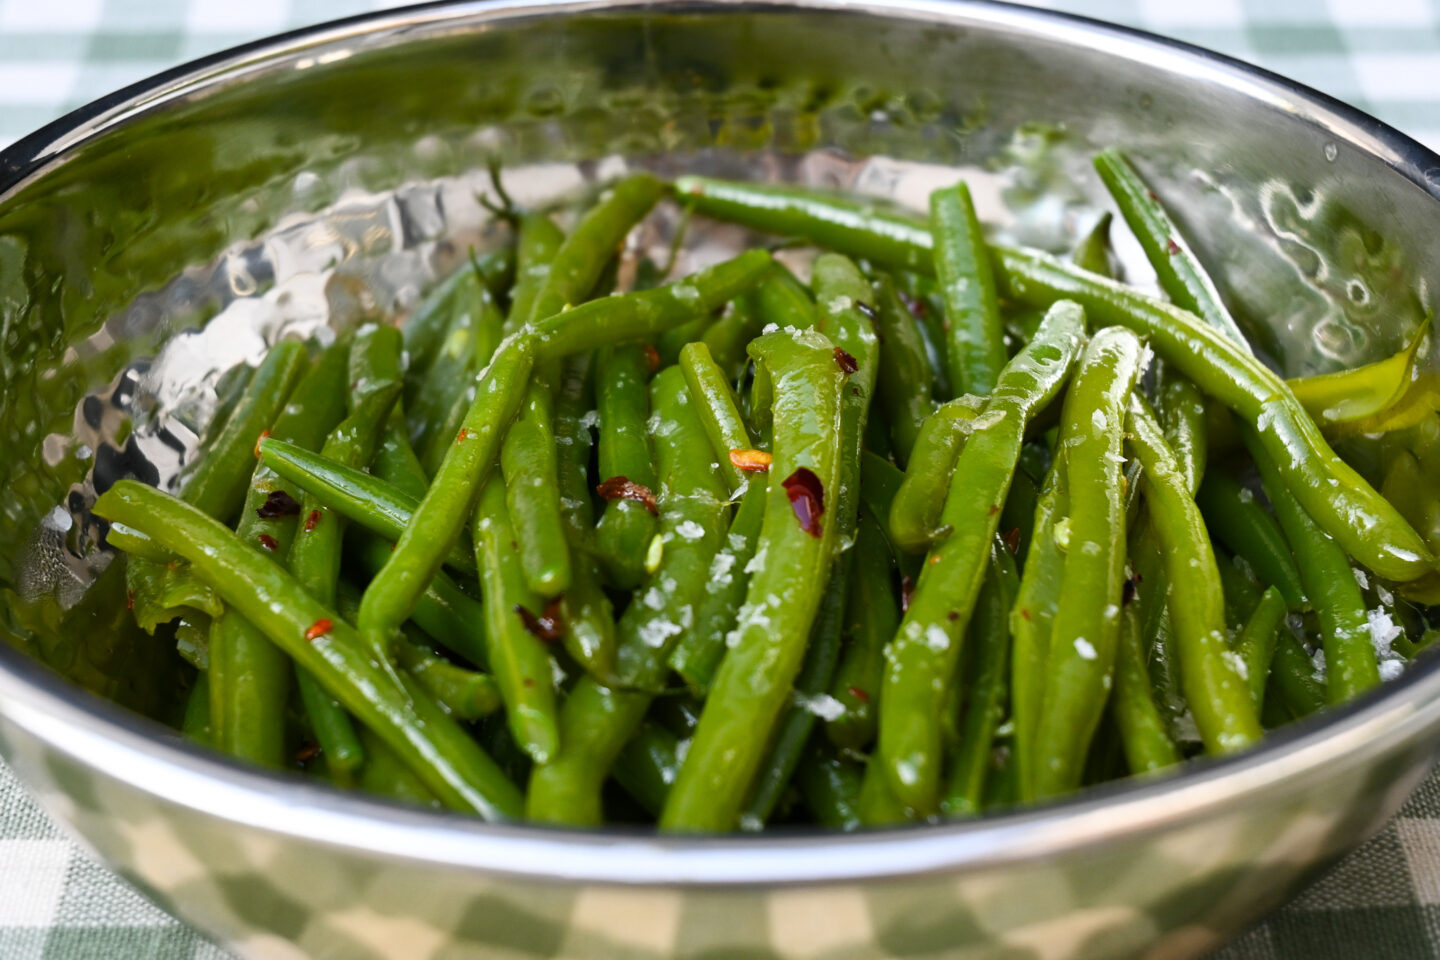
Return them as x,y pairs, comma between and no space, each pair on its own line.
300,182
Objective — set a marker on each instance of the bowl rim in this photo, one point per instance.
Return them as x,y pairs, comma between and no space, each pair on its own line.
151,758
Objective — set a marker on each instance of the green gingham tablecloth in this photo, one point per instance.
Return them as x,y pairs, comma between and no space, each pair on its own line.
56,903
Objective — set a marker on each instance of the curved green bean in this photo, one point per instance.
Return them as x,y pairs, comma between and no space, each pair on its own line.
914,517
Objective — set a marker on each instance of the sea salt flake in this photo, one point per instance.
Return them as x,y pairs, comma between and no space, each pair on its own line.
1086,649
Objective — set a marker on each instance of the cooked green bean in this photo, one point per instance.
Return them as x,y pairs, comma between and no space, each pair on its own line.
914,516
1236,518
622,403
872,616
904,378
976,345
1256,642
921,660
1211,675
465,694
1081,653
793,566
646,766
1295,677
830,785
1094,252
1143,732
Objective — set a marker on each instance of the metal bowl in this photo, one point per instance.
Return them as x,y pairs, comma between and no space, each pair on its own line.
301,182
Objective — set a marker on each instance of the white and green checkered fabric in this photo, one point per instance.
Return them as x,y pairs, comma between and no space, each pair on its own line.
1381,55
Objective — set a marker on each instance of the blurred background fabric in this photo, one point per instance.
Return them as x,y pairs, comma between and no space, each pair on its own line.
1383,56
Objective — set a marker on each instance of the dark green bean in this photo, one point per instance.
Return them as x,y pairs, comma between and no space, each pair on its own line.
1237,519
622,402
1143,730
647,765
904,376
1296,679
726,338
532,494
470,339
872,616
517,657
538,242
976,345
465,694
1256,642
964,793
830,785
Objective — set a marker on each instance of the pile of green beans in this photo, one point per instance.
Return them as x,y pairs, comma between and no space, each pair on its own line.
949,528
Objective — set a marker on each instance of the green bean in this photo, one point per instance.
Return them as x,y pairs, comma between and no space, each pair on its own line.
726,338
697,654
905,376
631,317
596,721
1094,252
964,793
921,660
217,482
538,242
1237,519
1242,592
646,766
844,314
976,345
437,522
783,300
1182,414
847,226
1296,679
830,785
719,411
872,616
340,746
1017,519
517,657
434,747
249,676
470,339
1339,499
1351,665
793,566
384,775
1213,683
426,328
877,804
622,402
465,694
446,613
353,494
1256,642
196,725
1143,731
1081,654
589,635
528,462
1181,274
914,518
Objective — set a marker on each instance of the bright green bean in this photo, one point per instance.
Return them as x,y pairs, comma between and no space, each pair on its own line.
622,402
976,345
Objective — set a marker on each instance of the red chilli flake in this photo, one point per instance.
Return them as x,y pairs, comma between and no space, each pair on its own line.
263,435
859,694
308,752
269,542
622,488
1172,246
751,461
129,599
318,629
278,504
311,520
1012,540
847,363
462,435
652,357
907,590
807,498
916,306
548,627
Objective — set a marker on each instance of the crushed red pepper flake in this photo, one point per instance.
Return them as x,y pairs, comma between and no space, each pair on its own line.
278,504
263,435
652,357
129,599
807,498
1172,246
751,461
917,307
847,362
308,752
907,590
623,488
311,520
462,435
269,542
994,509
1025,612
953,615
859,694
319,628
549,626
1012,540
